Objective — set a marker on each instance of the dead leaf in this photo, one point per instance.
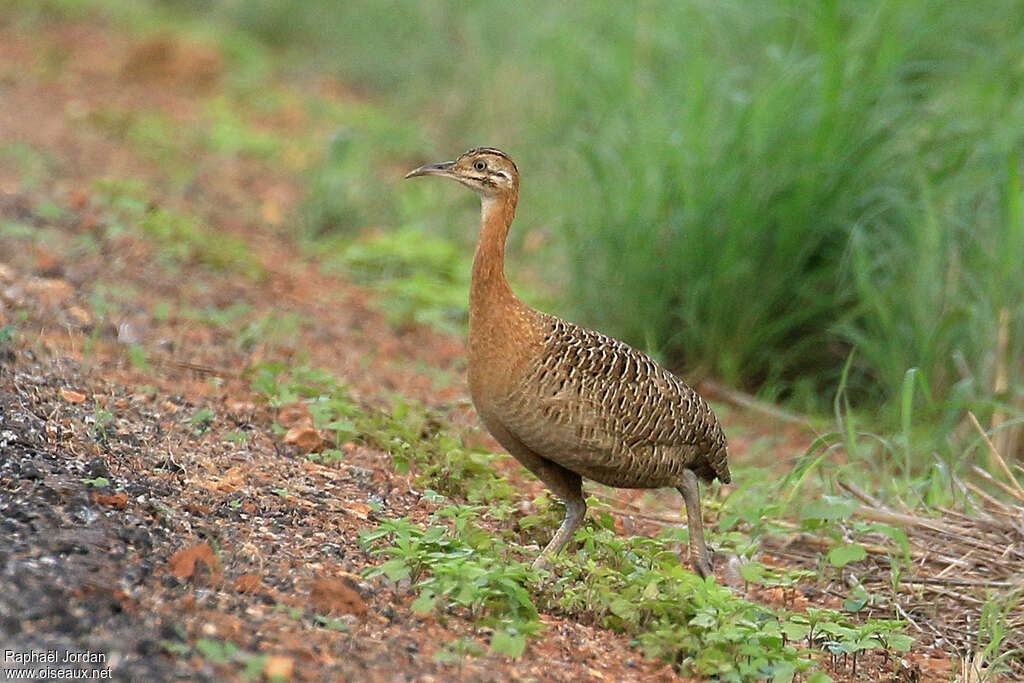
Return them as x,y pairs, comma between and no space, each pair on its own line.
279,666
331,595
232,480
72,396
306,438
78,198
294,415
358,510
239,406
183,563
51,292
248,583
79,315
47,262
125,601
118,501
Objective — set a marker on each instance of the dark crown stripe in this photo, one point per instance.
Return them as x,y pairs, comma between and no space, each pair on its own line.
489,150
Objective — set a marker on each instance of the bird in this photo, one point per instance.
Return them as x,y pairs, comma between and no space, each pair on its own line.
568,402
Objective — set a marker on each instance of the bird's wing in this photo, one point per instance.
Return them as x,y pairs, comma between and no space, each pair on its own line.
589,396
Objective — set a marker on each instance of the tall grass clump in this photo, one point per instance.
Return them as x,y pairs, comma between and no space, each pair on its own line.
760,188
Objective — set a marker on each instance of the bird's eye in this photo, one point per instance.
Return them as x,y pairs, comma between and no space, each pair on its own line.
480,165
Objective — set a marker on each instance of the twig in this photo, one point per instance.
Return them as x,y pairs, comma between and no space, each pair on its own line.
940,581
859,493
903,519
747,401
632,511
951,565
197,368
1019,494
988,499
899,608
995,482
1002,381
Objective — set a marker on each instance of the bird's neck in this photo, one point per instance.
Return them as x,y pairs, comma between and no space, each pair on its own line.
502,329
489,290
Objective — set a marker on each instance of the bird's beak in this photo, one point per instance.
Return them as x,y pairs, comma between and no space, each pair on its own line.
444,168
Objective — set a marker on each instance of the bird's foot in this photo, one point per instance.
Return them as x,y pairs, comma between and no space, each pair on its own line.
542,562
702,565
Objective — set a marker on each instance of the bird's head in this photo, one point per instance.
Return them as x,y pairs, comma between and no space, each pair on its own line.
487,171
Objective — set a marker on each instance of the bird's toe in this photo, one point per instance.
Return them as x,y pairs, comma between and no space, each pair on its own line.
702,565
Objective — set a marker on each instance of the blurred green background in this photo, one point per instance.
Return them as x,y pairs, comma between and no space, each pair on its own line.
819,202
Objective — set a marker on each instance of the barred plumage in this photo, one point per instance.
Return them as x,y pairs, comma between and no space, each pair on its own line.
600,408
568,402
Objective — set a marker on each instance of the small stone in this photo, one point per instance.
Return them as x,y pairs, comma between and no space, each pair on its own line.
97,468
127,333
30,472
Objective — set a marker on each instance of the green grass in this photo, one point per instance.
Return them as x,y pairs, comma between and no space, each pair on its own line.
182,238
32,164
419,278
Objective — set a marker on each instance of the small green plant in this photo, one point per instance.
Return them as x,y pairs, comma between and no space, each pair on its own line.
842,555
101,308
273,329
227,317
413,436
787,579
128,206
458,566
32,164
228,652
994,630
328,455
102,421
138,358
420,278
228,133
98,482
331,623
202,420
236,437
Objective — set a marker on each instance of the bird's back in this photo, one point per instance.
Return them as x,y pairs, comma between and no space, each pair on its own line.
602,409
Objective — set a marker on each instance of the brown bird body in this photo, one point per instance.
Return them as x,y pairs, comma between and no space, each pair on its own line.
568,402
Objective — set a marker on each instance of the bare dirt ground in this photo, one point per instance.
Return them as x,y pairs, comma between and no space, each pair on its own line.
132,524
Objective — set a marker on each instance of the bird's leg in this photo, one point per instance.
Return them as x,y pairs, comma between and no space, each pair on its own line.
698,550
575,509
568,486
564,483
